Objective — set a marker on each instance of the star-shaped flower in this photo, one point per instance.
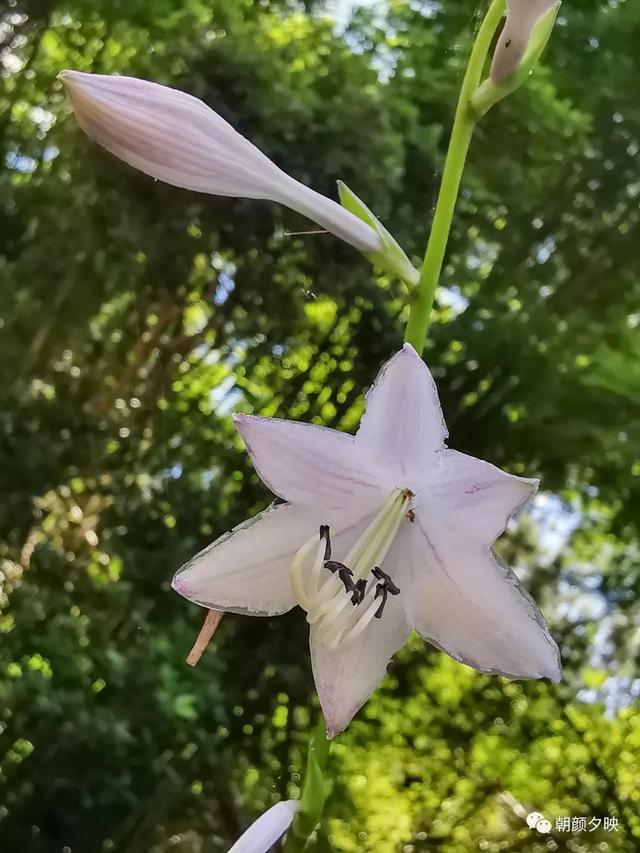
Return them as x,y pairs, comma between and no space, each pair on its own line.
380,533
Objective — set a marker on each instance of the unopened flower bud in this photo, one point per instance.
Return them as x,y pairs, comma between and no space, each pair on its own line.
178,139
522,17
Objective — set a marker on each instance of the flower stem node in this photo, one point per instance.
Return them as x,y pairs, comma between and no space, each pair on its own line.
342,602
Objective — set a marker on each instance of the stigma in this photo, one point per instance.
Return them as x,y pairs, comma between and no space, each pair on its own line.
341,597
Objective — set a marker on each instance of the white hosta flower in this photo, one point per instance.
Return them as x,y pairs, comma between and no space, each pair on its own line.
522,17
267,829
380,533
178,139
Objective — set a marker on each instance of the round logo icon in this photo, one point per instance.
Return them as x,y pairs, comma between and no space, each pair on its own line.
533,818
543,826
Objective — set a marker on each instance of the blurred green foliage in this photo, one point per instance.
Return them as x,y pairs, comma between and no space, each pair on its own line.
135,317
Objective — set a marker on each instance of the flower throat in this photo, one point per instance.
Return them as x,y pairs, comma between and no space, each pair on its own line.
342,597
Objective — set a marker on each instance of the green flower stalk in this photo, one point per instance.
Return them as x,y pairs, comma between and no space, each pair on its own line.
461,134
315,792
523,39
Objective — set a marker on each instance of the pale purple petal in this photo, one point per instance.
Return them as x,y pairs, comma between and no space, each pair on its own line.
346,677
403,420
476,498
247,570
522,16
267,829
312,465
465,602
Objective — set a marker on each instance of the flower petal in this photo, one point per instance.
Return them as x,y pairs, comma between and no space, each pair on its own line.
522,16
478,498
403,420
247,570
346,677
468,604
177,138
311,465
267,829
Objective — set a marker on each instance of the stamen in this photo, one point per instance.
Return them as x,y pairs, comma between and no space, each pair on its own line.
359,593
345,576
344,573
321,557
354,629
331,592
343,602
325,534
381,590
296,575
334,566
331,626
383,576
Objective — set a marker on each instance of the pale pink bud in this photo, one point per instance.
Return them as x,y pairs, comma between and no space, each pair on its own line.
522,16
178,139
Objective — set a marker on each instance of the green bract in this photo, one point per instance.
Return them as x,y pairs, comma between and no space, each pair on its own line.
391,257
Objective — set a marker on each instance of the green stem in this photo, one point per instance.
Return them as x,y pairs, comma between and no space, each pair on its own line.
462,131
315,790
